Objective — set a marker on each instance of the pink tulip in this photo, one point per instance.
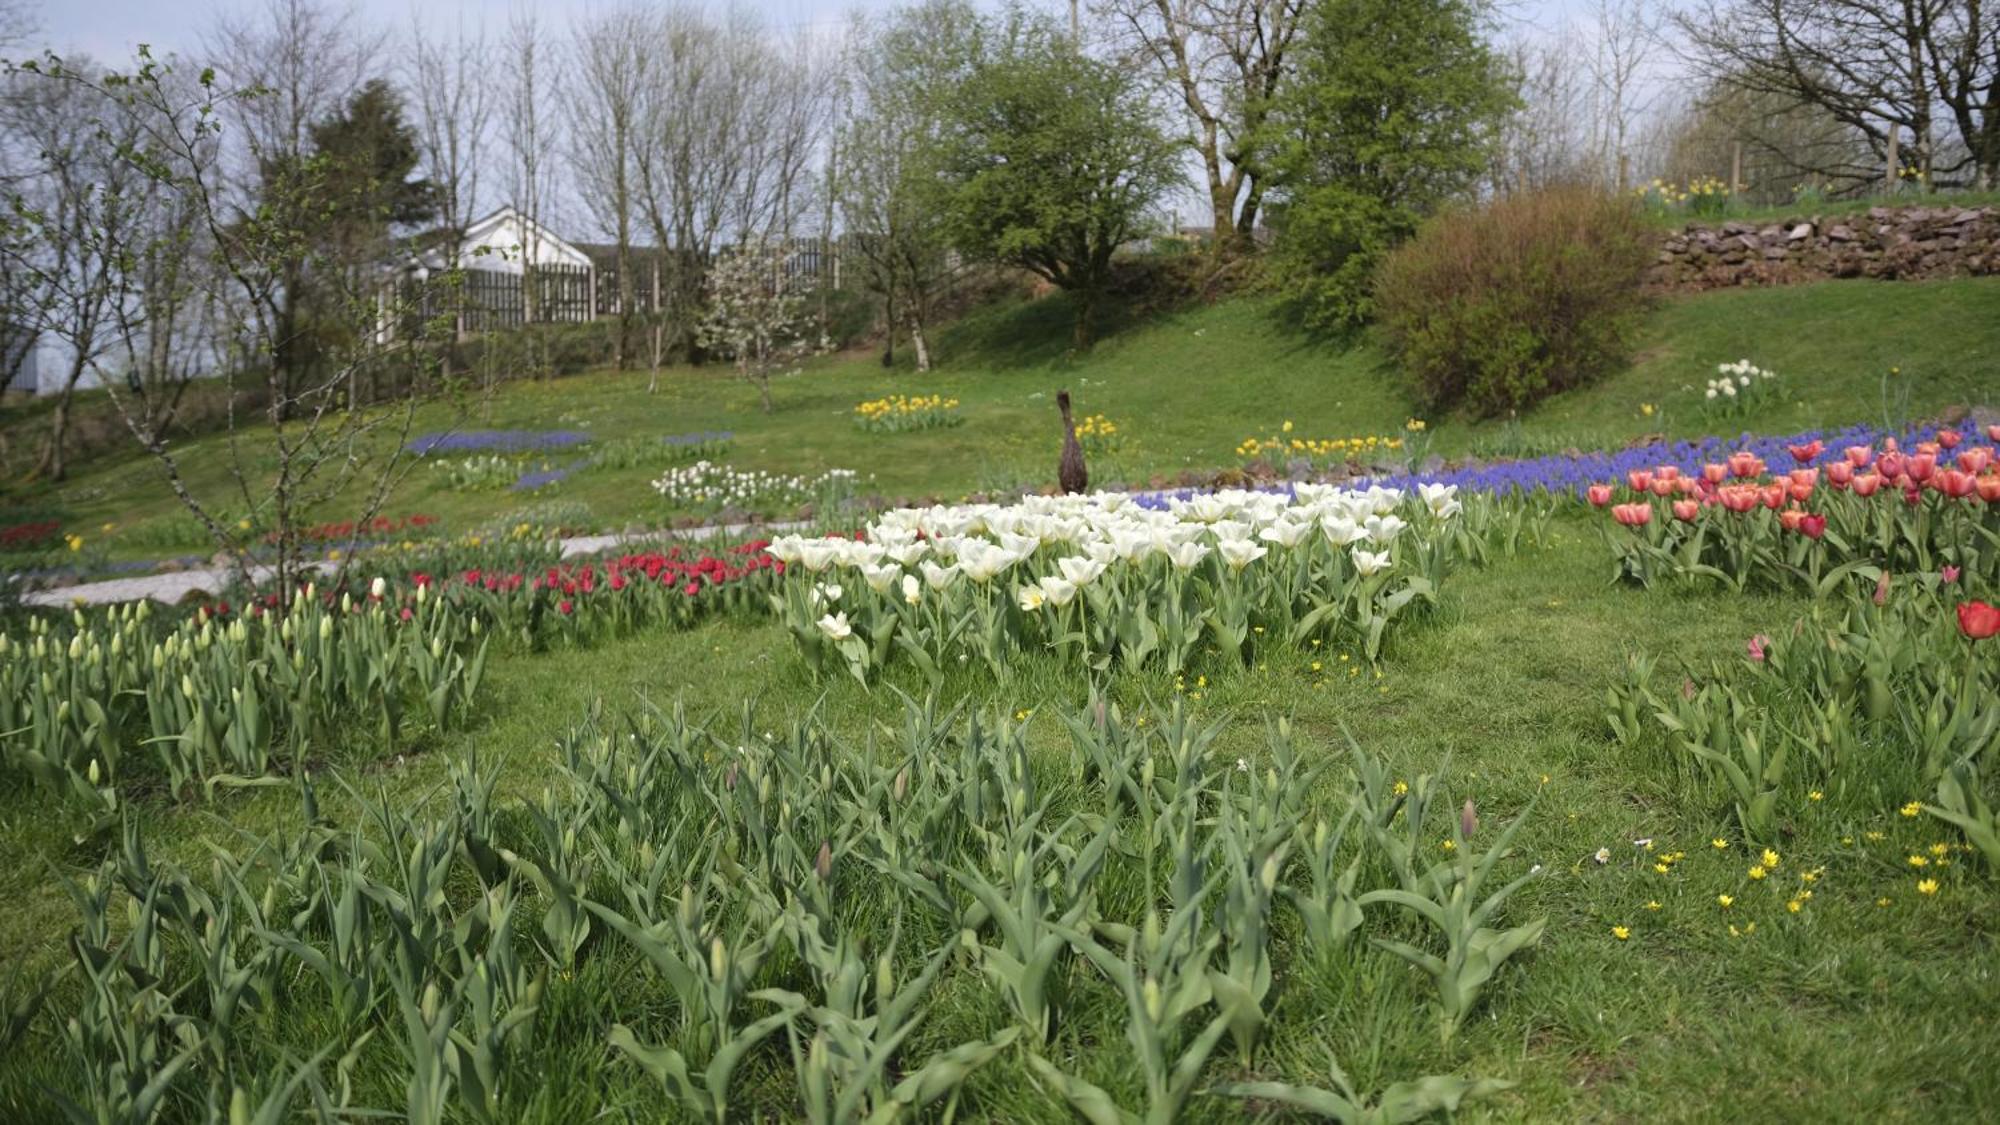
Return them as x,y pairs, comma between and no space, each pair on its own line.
1859,455
1993,432
1921,467
1745,465
1633,515
1599,494
1975,459
1714,472
1756,647
1865,484
1890,464
1807,453
1668,472
1839,474
1813,526
1686,510
1882,589
1949,574
1957,485
1664,487
1989,488
1641,480
1948,438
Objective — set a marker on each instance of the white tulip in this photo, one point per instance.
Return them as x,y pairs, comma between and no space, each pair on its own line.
1080,571
835,625
1187,556
912,589
1058,591
1239,553
1367,562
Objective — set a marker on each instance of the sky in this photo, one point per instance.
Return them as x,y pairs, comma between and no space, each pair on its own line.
109,30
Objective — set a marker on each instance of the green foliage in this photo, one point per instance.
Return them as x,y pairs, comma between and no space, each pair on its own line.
1498,308
1052,160
1392,112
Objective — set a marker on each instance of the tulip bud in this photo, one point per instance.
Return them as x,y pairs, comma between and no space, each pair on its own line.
718,959
885,980
1269,875
823,866
92,772
1156,1005
375,589
1468,820
902,784
475,626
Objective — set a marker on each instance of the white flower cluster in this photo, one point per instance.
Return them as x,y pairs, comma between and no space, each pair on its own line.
708,484
1735,377
909,549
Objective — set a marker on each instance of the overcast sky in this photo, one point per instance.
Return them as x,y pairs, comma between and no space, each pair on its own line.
110,29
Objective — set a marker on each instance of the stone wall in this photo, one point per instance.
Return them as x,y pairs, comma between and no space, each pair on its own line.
1900,243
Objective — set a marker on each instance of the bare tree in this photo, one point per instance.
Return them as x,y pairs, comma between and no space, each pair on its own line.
74,209
1223,61
530,75
887,149
611,73
312,450
1625,40
733,126
449,91
1897,72
1544,141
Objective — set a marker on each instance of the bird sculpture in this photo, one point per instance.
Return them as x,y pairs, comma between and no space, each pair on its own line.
1070,472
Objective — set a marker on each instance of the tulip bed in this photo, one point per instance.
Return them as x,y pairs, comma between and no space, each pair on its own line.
213,702
1104,582
1819,524
763,927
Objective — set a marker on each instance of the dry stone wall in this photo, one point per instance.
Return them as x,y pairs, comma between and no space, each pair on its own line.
1899,243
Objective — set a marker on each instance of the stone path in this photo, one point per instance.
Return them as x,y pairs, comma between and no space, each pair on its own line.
173,586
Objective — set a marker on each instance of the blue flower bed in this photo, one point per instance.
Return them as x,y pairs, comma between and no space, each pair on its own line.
495,441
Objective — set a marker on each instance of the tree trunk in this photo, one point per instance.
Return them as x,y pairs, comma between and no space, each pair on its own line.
918,342
1082,333
54,466
889,328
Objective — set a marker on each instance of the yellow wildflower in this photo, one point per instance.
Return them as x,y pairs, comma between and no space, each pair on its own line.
1911,809
1725,901
1927,886
1621,932
1757,873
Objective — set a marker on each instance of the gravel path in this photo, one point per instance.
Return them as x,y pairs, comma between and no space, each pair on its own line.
173,586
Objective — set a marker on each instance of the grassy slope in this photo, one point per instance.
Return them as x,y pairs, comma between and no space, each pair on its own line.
1185,388
1846,1011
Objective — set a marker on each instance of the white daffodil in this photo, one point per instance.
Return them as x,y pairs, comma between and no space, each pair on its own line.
835,626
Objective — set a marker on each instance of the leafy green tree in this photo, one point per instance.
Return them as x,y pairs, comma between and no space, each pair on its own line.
1394,110
1052,160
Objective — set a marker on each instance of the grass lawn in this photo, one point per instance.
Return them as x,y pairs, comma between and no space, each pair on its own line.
1848,1010
1648,998
1184,389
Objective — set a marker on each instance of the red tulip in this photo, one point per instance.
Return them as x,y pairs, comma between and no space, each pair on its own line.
1865,484
1993,432
1599,494
1745,464
1686,510
1633,515
1921,467
1806,454
1989,488
1714,472
1813,526
1839,474
1890,464
1640,479
565,607
1978,620
1957,485
1859,455
1948,438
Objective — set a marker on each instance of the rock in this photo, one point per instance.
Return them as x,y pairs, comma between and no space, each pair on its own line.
1802,231
1841,233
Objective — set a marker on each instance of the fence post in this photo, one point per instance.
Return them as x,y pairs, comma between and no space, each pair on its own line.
1895,169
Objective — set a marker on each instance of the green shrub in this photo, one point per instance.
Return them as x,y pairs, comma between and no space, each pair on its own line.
1499,307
